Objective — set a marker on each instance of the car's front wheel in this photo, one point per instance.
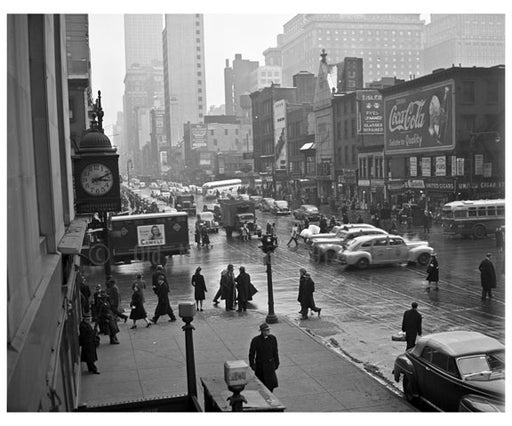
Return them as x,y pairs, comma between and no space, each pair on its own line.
363,263
423,259
407,388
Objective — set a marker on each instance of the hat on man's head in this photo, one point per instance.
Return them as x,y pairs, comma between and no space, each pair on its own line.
488,255
264,326
414,305
230,266
302,271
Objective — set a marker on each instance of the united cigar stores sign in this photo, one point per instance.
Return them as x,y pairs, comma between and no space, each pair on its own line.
420,120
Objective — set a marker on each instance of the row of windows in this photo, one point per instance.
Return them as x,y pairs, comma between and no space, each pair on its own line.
480,211
226,132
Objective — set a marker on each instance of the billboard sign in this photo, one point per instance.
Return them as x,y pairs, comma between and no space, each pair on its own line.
198,136
421,120
280,133
151,235
370,112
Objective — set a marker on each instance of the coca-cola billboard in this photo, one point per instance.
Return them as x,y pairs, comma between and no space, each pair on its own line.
421,120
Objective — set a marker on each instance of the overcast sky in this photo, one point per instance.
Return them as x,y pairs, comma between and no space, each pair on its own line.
254,33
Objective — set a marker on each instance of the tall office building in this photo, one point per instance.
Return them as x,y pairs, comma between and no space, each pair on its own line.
467,39
143,80
237,81
184,73
142,39
389,44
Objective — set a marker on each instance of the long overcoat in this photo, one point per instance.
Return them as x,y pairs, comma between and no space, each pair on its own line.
86,341
433,270
306,290
411,325
106,320
242,285
487,274
199,286
264,359
137,304
163,306
227,285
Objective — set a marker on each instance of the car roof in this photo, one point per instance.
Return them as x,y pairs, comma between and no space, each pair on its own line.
459,343
308,206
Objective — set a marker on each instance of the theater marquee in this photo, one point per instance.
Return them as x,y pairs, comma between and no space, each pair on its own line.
420,120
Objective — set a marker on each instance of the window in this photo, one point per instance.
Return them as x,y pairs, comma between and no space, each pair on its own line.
472,212
199,73
482,211
492,92
380,242
491,211
198,32
212,132
198,40
353,127
236,132
468,92
225,131
199,82
215,142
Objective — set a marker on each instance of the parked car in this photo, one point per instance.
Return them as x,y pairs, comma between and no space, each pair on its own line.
454,371
384,249
280,207
266,204
327,248
307,211
207,221
337,231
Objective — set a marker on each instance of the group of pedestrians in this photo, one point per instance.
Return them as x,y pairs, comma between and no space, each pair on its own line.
235,290
201,237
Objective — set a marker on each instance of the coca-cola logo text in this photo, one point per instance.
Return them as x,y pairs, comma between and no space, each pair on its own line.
409,118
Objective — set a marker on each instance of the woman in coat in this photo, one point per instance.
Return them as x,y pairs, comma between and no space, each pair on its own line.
433,272
137,305
106,320
199,288
242,285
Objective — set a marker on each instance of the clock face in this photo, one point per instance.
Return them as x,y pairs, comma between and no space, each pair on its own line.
96,179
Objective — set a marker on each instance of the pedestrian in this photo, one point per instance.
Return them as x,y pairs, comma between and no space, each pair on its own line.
137,304
427,221
163,306
360,219
106,321
197,237
411,325
305,298
306,223
227,284
95,303
345,219
264,357
88,340
433,272
499,239
159,272
323,225
243,282
199,288
294,235
85,292
115,299
139,282
269,228
332,222
205,238
487,276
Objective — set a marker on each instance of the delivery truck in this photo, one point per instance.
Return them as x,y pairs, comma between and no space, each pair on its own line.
237,212
148,237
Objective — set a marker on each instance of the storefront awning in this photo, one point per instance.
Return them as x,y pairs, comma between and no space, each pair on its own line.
71,242
308,146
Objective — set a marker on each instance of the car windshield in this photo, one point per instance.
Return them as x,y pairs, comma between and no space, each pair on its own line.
281,203
207,216
483,367
352,244
312,209
246,217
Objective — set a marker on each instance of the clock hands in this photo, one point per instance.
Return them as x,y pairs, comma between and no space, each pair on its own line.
102,177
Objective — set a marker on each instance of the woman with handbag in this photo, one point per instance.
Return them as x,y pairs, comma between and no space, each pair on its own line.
137,305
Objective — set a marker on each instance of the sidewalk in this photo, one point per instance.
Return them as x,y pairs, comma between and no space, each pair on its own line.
150,362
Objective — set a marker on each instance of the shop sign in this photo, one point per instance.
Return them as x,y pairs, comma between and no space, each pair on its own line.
448,186
487,170
364,182
479,164
460,166
198,135
454,165
420,120
416,184
377,183
413,165
396,185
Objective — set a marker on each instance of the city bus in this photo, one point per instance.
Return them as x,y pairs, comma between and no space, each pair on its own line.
473,217
230,186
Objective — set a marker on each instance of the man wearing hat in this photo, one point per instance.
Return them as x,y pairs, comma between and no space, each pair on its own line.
305,298
227,286
433,271
264,357
411,325
86,340
487,276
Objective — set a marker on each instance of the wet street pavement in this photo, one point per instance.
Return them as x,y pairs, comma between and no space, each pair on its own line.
361,310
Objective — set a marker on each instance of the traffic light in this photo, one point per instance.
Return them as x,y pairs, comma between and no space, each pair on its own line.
269,243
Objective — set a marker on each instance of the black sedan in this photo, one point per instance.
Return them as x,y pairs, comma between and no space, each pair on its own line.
454,371
308,211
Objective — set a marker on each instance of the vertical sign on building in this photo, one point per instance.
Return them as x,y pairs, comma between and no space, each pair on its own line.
454,165
460,166
370,112
426,166
441,165
479,164
413,165
198,136
280,135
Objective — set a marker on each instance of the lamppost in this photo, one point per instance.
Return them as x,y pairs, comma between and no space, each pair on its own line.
269,244
235,376
186,312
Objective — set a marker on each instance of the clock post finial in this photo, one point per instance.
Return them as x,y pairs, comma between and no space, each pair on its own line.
324,56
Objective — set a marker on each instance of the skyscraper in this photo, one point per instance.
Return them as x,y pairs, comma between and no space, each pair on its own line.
142,39
465,39
389,44
237,81
184,73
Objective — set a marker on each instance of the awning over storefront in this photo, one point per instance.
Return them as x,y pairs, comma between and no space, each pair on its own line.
308,146
71,242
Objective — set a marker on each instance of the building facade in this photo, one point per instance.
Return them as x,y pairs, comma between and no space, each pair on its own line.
451,142
43,308
464,40
389,44
264,76
237,82
184,73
